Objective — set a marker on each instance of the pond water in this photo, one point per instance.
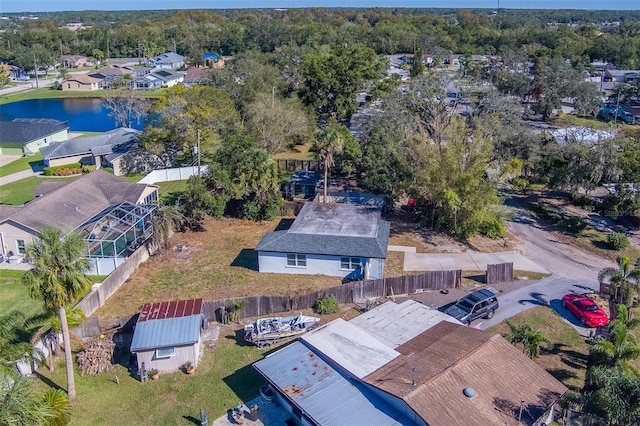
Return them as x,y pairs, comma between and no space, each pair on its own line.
83,114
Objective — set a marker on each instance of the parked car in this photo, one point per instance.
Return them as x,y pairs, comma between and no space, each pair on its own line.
585,309
480,304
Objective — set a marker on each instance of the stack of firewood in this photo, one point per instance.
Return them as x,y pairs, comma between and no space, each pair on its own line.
96,358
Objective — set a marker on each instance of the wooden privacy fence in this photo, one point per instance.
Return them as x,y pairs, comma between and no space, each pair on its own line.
293,165
255,306
499,273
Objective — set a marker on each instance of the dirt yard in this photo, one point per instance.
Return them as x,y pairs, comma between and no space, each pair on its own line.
220,262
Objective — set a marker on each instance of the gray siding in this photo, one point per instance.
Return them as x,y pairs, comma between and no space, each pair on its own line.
271,262
174,363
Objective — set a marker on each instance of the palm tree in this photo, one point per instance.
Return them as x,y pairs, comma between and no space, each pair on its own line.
623,279
615,397
530,338
58,279
19,405
329,142
14,341
620,348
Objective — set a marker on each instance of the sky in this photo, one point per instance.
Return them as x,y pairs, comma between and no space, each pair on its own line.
8,6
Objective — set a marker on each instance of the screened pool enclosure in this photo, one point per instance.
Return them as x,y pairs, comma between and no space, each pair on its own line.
118,231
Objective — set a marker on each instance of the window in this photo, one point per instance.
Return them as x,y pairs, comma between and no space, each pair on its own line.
297,260
22,248
165,352
68,85
350,263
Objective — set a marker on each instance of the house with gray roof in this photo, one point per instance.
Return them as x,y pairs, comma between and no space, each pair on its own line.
408,364
25,136
80,205
100,150
157,79
169,60
340,240
167,335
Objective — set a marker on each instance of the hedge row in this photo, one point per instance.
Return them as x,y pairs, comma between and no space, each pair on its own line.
68,170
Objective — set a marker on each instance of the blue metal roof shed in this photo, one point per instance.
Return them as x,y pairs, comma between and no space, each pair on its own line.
167,324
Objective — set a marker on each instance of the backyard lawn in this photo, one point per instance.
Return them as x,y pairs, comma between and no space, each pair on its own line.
19,192
14,296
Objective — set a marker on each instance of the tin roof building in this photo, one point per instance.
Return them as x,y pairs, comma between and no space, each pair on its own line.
167,335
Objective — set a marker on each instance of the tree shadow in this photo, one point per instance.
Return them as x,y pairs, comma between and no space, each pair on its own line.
37,166
192,420
247,258
536,299
482,279
245,382
48,381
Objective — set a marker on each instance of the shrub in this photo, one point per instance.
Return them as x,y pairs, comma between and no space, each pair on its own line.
520,184
65,170
88,169
617,241
327,305
576,224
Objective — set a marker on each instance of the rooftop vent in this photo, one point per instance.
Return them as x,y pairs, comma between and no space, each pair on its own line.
469,393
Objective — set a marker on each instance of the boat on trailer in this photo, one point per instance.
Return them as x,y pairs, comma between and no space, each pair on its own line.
266,331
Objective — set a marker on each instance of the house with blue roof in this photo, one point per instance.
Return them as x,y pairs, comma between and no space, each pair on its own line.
167,335
338,240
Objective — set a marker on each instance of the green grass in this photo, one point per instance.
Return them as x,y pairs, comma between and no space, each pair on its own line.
571,120
24,163
170,190
19,192
14,296
50,93
223,378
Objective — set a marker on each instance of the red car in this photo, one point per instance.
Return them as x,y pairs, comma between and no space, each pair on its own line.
585,309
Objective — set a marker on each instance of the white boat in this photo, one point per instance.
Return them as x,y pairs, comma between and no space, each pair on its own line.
265,331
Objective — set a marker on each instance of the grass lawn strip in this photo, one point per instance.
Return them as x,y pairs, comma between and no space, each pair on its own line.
19,192
14,296
24,163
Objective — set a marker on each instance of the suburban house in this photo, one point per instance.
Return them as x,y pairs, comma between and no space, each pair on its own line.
81,83
25,136
110,213
408,364
198,76
167,335
303,184
73,61
157,79
110,74
169,60
92,150
340,240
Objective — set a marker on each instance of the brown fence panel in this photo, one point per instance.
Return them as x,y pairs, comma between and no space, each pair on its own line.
500,273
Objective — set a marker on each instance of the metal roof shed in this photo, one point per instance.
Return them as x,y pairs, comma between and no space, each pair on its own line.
167,334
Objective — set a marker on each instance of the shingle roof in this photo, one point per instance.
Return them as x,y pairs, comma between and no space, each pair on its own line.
70,205
448,358
167,324
102,144
167,58
25,130
84,79
339,230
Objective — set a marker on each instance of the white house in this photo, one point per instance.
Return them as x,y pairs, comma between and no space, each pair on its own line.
167,60
112,214
157,79
340,240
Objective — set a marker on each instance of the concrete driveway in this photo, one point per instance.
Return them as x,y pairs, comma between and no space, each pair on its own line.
468,261
546,292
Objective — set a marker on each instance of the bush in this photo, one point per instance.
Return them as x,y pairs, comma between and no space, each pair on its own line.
63,170
520,184
327,305
88,169
617,241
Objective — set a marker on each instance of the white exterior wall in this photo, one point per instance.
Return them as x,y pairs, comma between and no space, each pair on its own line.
171,364
88,159
316,265
34,146
10,234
